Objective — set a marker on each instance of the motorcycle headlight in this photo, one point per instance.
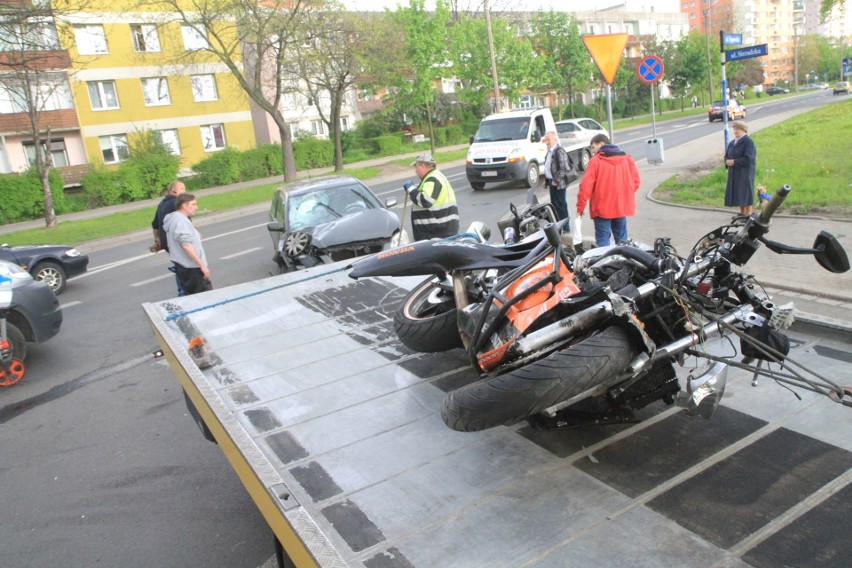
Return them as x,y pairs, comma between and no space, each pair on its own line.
296,243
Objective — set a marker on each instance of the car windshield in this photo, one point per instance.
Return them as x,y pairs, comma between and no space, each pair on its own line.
516,128
565,127
328,204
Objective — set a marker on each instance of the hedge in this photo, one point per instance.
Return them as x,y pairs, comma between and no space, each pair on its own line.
22,199
313,153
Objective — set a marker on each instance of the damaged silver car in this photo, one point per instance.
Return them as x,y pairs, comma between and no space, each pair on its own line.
330,219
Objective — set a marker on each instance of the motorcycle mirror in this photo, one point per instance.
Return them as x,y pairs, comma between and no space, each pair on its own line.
830,254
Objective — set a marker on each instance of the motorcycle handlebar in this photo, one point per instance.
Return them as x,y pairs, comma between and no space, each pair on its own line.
774,203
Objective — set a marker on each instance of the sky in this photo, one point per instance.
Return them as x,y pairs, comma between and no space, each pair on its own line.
520,5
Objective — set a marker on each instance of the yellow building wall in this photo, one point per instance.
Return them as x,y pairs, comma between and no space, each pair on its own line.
126,68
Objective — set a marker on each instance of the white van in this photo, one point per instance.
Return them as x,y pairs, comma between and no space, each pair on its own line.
509,146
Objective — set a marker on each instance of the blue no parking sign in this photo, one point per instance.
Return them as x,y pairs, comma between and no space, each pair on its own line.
649,69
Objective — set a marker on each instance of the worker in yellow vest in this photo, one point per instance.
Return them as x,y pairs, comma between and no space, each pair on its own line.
434,213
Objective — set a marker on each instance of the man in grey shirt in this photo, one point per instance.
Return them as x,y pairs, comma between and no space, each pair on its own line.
185,249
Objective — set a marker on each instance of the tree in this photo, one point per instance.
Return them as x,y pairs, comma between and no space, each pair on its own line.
746,72
327,65
567,66
826,6
424,56
34,77
255,41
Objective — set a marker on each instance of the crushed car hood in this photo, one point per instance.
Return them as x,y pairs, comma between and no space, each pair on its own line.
366,226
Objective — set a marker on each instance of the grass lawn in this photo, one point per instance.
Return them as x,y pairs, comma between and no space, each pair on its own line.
810,152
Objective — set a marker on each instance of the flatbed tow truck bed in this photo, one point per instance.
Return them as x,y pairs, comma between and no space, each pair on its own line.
334,428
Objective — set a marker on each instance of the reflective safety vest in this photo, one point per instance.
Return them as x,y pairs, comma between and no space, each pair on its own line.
437,214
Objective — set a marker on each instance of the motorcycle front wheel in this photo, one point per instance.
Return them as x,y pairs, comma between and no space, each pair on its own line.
509,398
426,321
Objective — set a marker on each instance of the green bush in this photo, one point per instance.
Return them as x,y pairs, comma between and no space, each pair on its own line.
155,167
313,153
221,168
440,134
263,161
455,134
101,187
22,198
386,145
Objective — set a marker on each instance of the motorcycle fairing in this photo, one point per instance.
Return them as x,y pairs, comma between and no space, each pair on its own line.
525,313
441,256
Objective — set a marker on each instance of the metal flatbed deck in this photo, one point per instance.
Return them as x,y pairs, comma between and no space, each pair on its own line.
334,428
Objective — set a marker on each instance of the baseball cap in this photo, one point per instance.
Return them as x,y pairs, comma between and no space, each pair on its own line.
424,158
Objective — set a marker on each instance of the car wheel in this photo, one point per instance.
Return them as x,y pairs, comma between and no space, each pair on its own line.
17,341
532,175
296,243
477,186
585,156
51,274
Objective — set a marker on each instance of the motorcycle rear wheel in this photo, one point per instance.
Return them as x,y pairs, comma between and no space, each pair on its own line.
507,399
426,321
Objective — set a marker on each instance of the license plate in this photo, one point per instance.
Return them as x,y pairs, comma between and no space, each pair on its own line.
489,174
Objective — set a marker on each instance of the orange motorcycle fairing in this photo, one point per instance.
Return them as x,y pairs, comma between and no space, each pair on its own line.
524,313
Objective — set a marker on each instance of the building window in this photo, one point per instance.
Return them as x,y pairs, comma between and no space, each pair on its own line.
318,127
204,88
213,137
13,99
114,148
169,139
145,38
103,95
58,156
525,101
288,101
155,90
344,124
36,35
91,39
193,40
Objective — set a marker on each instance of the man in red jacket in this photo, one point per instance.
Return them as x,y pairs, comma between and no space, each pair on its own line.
609,185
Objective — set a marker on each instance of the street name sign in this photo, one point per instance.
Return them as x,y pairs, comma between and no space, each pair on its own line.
732,39
746,52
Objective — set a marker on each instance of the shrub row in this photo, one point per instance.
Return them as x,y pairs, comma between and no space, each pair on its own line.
142,176
22,198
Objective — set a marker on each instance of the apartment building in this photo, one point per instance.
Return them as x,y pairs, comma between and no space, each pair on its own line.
136,71
34,86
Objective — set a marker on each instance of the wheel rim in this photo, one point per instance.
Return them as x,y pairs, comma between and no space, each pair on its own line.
296,243
532,174
585,159
51,277
426,306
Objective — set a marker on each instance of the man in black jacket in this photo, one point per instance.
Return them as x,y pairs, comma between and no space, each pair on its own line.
166,206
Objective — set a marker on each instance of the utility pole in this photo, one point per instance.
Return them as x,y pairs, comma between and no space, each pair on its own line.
709,64
493,59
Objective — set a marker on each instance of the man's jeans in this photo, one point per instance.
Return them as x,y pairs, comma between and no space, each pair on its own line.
603,228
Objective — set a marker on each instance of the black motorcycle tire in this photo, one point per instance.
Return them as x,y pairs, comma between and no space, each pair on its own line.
424,325
507,399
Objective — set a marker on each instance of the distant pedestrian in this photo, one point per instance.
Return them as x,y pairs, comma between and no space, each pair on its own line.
166,206
558,173
185,250
609,186
740,160
694,101
434,213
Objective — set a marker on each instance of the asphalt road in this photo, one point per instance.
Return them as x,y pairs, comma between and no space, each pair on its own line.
100,462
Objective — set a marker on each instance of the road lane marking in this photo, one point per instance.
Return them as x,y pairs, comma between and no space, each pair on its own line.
69,304
143,282
241,253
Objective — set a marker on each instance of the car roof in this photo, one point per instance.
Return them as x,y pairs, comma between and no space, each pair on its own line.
574,120
311,185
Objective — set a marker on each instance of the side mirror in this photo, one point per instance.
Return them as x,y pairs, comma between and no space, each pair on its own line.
830,254
471,138
390,202
274,227
535,136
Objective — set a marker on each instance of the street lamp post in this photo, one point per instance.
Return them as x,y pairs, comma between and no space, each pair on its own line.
493,59
709,64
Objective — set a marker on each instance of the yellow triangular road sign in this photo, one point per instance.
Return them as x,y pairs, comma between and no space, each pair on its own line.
606,50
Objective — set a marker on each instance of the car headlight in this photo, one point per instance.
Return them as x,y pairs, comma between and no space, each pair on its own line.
14,271
73,252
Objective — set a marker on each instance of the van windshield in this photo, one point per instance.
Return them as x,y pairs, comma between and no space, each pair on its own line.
517,128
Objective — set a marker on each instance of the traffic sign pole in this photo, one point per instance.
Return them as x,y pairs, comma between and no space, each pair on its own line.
724,86
649,70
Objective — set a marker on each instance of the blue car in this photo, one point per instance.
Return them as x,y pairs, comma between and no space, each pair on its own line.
51,264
